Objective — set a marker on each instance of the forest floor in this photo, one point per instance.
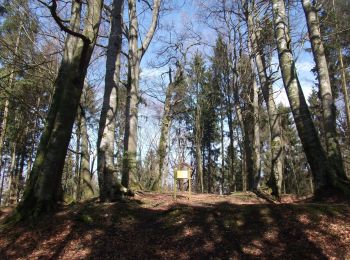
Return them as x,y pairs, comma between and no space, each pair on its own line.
154,226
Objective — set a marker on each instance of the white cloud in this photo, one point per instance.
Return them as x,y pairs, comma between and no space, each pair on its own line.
304,67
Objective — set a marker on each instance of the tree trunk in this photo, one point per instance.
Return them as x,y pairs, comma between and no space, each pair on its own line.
107,126
342,72
232,172
248,147
86,190
274,119
11,200
302,117
255,175
44,184
198,141
2,186
131,110
327,100
164,131
222,181
344,88
256,136
209,167
76,177
32,144
20,177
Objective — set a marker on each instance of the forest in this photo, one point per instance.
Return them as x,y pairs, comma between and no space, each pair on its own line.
174,129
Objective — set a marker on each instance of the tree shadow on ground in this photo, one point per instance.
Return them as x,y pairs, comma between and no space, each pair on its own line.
182,231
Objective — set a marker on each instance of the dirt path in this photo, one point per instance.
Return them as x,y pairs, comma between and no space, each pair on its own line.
153,226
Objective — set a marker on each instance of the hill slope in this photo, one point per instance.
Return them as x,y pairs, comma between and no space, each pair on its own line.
153,226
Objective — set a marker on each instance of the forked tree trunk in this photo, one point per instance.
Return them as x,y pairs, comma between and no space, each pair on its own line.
327,100
131,110
43,187
274,119
255,178
107,126
323,174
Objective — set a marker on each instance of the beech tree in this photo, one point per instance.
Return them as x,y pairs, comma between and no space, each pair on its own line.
134,59
324,175
166,123
107,124
267,91
43,189
326,95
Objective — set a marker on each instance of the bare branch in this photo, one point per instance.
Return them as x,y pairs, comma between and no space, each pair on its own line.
60,22
152,29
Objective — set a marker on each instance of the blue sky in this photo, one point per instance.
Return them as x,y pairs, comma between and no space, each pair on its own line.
149,132
188,14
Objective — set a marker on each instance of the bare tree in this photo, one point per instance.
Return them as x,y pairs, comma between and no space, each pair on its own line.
43,188
134,59
107,125
267,91
324,175
327,100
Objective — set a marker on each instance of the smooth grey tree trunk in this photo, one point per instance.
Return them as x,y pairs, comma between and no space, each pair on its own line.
86,189
107,125
274,119
163,141
322,173
255,178
44,184
77,155
327,100
256,136
165,126
11,199
135,56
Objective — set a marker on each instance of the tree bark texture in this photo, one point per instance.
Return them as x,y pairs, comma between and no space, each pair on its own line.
327,100
85,181
44,184
302,117
274,119
135,56
165,126
107,125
